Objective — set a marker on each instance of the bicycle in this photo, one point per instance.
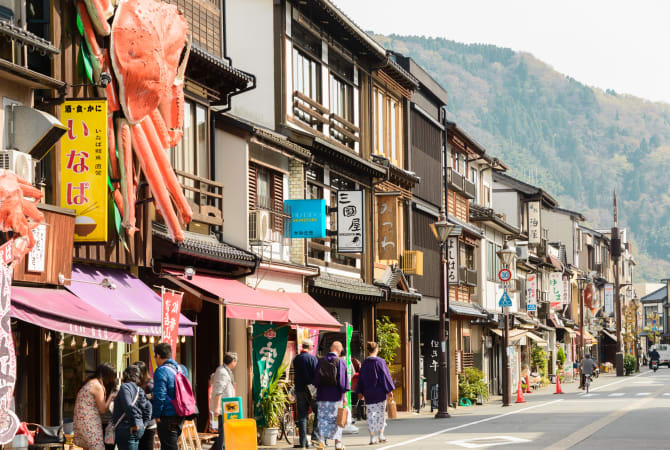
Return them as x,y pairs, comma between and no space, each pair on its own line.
287,426
587,382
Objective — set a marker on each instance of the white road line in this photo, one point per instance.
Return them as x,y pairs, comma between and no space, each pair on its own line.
643,394
590,395
617,382
617,394
666,394
476,422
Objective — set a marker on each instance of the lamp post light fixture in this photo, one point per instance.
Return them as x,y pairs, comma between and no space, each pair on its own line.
507,256
442,229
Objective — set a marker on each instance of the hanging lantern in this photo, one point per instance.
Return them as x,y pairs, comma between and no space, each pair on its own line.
73,343
95,344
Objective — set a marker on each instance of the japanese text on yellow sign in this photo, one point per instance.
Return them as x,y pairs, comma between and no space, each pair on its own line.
83,167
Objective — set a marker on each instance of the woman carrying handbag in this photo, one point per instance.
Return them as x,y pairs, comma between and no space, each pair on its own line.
92,401
131,411
375,386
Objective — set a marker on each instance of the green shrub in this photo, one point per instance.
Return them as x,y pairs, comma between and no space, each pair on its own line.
471,384
539,357
388,338
560,356
629,364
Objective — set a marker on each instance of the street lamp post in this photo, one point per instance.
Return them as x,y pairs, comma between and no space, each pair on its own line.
442,229
507,256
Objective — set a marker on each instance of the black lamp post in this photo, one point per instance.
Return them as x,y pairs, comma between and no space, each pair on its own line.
507,255
442,229
581,284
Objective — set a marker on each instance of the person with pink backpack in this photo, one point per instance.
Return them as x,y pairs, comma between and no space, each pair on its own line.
173,400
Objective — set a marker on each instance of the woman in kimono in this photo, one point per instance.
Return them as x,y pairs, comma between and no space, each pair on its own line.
375,386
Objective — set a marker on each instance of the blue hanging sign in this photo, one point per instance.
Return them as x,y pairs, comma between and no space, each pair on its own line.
505,301
307,218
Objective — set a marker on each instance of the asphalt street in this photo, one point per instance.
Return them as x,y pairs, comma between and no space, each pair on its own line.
618,413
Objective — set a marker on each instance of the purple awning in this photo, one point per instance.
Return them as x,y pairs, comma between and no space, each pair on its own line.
132,302
59,310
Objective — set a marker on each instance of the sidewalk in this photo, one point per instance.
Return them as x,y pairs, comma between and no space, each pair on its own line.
410,423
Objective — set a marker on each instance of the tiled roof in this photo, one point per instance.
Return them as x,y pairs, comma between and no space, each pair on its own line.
208,247
466,309
354,286
657,296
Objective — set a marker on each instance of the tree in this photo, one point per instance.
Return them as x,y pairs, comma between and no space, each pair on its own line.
389,339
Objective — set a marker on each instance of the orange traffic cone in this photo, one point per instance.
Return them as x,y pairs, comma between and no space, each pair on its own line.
528,391
558,385
519,394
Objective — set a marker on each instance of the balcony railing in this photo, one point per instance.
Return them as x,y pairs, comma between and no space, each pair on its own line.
469,188
343,130
309,110
455,180
467,276
205,197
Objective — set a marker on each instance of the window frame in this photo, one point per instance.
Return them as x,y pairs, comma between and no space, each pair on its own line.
388,138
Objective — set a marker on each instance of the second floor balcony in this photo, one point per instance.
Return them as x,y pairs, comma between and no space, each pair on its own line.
460,184
206,199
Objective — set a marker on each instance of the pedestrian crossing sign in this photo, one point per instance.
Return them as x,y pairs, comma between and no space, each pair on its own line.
505,301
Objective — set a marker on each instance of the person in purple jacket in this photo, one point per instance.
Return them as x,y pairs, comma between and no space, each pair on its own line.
375,386
332,383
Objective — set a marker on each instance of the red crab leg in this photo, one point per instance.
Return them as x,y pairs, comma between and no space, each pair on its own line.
100,11
169,177
127,174
172,108
156,183
113,160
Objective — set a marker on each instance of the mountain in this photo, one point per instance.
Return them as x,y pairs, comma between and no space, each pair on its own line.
577,142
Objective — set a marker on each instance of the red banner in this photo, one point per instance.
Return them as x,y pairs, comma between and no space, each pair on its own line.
170,322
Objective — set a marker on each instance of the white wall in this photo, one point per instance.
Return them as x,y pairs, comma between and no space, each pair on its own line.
231,169
506,203
561,228
275,280
250,38
11,93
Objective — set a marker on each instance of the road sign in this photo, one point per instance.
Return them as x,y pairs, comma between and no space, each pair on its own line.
531,307
654,329
505,275
505,301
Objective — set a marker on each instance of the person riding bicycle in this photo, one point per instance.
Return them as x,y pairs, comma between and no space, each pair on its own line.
587,366
654,356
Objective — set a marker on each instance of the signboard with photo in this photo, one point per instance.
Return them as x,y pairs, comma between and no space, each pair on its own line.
531,292
350,222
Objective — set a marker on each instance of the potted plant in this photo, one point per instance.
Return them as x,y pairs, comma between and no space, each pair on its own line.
472,386
274,401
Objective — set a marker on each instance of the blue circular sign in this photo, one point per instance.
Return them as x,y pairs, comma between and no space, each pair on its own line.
505,275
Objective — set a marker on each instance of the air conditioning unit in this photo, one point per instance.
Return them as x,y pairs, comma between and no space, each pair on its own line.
18,162
522,252
412,262
259,226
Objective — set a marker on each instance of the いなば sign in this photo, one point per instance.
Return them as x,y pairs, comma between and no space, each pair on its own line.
350,222
83,167
171,308
308,218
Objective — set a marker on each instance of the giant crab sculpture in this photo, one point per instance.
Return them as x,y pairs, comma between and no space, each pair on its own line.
146,97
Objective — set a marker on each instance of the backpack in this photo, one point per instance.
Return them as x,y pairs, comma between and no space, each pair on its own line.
183,401
328,372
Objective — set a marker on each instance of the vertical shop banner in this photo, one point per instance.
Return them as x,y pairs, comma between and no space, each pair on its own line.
555,290
308,333
534,223
268,347
452,260
171,308
350,364
531,292
83,167
350,222
387,227
566,290
609,299
37,255
9,423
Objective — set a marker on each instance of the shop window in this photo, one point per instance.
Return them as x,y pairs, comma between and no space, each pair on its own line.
388,126
493,264
467,256
466,344
266,193
341,104
191,154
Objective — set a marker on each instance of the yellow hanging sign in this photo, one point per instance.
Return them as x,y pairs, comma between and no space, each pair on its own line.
83,167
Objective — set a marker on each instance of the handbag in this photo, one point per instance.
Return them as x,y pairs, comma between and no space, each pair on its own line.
342,417
23,429
110,429
48,435
392,409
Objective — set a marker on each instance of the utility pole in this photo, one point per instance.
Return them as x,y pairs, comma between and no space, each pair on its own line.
615,251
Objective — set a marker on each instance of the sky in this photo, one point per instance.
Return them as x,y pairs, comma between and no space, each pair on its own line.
615,44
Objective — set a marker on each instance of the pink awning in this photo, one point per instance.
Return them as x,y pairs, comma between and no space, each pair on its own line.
243,302
59,310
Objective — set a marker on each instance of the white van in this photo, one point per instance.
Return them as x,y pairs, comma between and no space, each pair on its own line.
664,353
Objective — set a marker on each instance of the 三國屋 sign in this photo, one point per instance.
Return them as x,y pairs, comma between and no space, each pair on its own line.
83,167
534,236
350,222
387,227
308,218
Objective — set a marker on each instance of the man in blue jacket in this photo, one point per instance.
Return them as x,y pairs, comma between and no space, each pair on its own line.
169,424
304,366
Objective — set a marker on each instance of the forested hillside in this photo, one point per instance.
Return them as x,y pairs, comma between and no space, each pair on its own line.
576,141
